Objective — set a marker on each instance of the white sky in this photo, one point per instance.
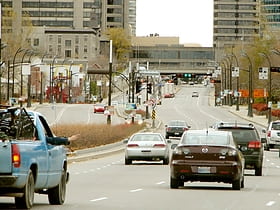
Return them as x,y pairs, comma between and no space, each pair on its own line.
191,20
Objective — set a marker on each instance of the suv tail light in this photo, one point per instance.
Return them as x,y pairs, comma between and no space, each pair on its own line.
185,129
269,134
254,144
15,156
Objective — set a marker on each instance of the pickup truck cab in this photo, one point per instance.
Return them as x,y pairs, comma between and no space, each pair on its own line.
32,159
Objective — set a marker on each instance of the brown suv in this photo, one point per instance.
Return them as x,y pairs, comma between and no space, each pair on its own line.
249,143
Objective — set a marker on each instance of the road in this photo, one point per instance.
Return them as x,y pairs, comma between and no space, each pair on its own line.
74,113
107,183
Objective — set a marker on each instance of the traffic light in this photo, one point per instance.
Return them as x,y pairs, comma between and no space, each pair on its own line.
149,88
138,86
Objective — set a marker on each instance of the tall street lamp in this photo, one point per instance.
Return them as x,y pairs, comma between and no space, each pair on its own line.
237,82
51,78
269,85
250,98
14,59
21,75
110,80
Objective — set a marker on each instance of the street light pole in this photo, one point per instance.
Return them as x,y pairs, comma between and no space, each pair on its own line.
110,80
51,78
237,83
269,86
14,59
250,98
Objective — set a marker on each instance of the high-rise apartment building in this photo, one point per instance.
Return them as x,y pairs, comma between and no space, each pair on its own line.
68,28
271,14
235,21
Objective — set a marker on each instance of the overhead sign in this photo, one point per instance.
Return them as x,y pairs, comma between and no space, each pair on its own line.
149,73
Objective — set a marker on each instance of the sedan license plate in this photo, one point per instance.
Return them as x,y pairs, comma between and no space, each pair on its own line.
176,133
146,151
203,170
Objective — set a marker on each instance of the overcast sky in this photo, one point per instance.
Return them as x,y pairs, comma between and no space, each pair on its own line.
191,20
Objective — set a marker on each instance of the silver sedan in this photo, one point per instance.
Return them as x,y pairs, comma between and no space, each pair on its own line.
147,146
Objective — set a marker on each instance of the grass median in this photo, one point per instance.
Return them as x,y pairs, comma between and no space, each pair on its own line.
92,135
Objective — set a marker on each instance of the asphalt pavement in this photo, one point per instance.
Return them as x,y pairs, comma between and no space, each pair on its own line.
97,152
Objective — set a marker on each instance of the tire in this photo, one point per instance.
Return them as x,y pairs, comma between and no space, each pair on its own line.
242,182
26,201
57,194
127,161
166,161
174,183
236,184
258,171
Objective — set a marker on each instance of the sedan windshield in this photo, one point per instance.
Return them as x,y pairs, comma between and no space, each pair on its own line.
146,137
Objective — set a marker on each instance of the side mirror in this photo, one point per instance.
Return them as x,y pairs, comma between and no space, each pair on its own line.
125,141
189,126
263,140
168,141
173,146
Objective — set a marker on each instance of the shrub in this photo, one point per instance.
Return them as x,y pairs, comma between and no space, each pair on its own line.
275,112
93,135
260,107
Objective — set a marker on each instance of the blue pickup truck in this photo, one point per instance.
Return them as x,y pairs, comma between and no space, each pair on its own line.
32,159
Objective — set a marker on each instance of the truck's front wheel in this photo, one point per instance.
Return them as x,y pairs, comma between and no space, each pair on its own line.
26,201
57,194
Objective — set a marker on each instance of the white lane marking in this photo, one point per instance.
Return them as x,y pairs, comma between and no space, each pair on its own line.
136,190
160,183
270,203
89,114
99,199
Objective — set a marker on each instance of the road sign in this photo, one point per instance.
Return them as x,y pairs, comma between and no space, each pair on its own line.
235,71
263,73
154,114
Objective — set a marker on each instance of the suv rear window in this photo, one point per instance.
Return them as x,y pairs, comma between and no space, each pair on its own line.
275,126
243,135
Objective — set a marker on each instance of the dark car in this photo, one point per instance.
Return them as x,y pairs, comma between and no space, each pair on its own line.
207,156
176,128
249,142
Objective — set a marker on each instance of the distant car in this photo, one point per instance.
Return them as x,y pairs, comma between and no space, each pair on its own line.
176,128
169,95
195,94
99,108
191,83
207,156
148,147
273,135
249,142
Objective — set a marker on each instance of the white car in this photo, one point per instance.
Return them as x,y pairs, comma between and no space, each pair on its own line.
273,135
148,147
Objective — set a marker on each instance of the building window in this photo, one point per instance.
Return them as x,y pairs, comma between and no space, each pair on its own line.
59,49
68,53
50,49
76,50
85,49
50,38
59,39
76,39
67,43
36,42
